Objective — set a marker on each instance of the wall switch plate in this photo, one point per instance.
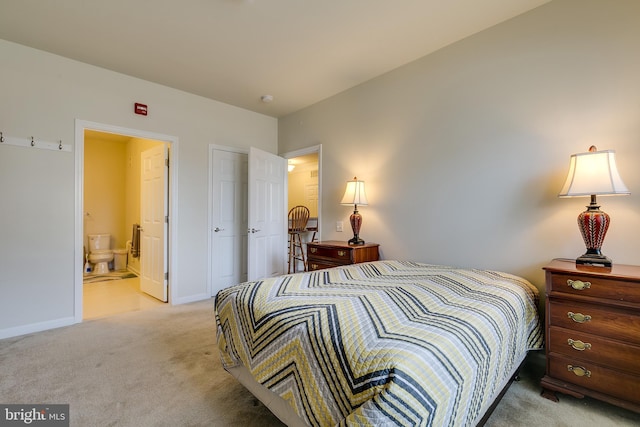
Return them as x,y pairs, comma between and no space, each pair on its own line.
339,226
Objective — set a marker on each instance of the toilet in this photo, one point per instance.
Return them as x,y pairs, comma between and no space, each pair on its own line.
100,254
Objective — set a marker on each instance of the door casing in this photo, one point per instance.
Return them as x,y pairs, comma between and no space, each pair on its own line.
80,127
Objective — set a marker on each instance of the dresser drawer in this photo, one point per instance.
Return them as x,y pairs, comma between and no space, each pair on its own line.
593,377
596,287
337,255
594,349
313,265
596,320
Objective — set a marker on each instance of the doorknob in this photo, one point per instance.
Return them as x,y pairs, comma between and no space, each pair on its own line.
218,229
252,230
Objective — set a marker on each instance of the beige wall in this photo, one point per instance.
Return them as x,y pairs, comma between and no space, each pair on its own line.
464,151
43,95
105,190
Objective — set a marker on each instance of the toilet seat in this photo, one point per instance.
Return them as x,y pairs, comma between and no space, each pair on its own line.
101,252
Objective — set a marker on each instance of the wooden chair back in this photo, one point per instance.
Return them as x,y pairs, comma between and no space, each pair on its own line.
298,217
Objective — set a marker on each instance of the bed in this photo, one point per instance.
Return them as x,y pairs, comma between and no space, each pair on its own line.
379,343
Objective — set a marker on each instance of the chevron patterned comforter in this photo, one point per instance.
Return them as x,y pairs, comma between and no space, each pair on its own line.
381,343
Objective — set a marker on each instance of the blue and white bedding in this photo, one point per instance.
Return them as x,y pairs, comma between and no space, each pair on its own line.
381,343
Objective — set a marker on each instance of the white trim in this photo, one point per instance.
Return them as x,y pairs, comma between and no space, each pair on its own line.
78,222
80,126
302,152
36,327
227,148
190,298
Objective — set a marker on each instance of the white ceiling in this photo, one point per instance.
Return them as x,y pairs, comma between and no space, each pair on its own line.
234,51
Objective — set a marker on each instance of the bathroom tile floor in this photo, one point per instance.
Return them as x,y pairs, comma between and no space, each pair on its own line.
110,297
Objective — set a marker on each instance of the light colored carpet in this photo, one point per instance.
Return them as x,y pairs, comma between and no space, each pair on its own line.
160,367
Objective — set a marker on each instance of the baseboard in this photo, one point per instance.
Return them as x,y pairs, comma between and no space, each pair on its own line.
36,327
190,298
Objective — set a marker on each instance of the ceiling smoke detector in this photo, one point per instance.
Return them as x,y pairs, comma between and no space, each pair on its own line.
266,98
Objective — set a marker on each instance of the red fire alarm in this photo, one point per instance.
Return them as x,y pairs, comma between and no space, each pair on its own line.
140,109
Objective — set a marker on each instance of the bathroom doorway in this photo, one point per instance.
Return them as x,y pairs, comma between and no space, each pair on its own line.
111,194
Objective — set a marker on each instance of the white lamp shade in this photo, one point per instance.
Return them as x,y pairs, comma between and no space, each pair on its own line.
593,173
355,194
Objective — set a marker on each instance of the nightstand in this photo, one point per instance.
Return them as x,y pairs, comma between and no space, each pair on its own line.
593,332
333,253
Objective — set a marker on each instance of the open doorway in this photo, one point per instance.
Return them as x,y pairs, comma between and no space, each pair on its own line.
110,194
304,189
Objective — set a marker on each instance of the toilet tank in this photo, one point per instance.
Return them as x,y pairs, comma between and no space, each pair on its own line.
99,242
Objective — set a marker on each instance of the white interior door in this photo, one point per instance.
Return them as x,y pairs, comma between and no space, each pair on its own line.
154,221
228,188
267,228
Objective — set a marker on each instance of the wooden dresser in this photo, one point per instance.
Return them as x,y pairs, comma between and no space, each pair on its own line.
593,332
333,253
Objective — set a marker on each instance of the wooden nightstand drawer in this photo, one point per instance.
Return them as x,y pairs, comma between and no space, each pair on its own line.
594,349
339,255
597,320
320,265
596,287
593,377
335,253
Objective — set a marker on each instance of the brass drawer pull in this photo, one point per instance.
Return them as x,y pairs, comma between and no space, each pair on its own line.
579,371
578,285
579,345
578,317
342,253
314,266
313,250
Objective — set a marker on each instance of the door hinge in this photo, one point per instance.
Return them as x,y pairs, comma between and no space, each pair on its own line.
166,219
166,276
166,162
